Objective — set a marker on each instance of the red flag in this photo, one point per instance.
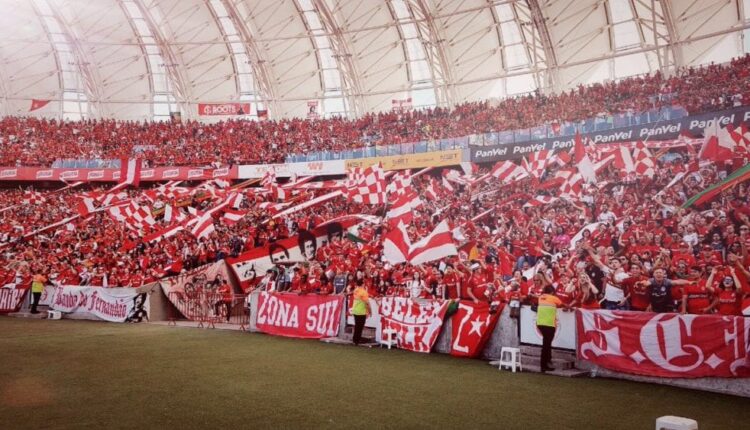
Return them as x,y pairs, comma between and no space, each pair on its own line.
396,245
719,146
130,171
38,104
472,327
434,246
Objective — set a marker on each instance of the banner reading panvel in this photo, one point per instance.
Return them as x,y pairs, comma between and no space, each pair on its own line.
668,129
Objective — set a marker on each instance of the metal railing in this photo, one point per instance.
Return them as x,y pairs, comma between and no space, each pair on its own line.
209,309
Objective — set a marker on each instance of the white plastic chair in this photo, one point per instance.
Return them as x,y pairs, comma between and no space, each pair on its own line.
390,340
510,357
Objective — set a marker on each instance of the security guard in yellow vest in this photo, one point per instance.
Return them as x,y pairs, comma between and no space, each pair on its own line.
546,322
37,288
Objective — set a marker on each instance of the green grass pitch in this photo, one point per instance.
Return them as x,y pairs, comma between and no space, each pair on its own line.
82,374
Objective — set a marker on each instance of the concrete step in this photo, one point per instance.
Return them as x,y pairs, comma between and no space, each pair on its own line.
557,363
533,362
566,373
27,314
536,351
366,343
533,367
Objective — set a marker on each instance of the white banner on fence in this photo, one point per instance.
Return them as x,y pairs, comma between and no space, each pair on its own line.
108,304
565,336
307,168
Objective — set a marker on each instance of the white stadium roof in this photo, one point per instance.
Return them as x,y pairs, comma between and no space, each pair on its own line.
141,59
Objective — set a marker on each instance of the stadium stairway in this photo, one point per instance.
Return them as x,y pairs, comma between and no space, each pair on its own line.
563,362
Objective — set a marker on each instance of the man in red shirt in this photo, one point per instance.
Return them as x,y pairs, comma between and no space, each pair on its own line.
699,292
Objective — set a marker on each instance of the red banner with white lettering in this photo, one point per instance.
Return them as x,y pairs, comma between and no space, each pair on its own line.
417,322
665,345
113,175
214,109
472,326
11,299
309,316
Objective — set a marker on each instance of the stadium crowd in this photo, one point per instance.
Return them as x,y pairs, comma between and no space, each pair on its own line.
646,252
39,142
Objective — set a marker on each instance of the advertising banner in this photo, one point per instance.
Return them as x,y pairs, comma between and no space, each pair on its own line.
417,322
663,130
113,175
307,168
308,316
107,304
214,109
665,345
450,157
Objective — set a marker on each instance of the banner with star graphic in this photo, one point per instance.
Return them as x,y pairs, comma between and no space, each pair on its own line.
473,324
416,322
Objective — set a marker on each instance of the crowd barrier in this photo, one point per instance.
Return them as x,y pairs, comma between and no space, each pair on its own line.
208,309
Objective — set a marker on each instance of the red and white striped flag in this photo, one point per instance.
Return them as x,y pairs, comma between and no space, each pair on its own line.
431,190
402,210
396,245
624,160
540,201
269,178
130,171
204,225
507,171
434,246
232,216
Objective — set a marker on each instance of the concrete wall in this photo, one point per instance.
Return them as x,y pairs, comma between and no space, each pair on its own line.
506,334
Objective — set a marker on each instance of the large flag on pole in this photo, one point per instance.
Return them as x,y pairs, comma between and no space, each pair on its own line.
740,175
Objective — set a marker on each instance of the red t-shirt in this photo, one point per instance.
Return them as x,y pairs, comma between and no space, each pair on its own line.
564,296
729,303
698,297
639,295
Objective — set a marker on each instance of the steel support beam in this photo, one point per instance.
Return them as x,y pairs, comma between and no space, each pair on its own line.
175,66
266,87
345,59
434,47
550,57
83,63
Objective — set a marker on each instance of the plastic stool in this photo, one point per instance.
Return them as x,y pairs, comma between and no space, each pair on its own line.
510,357
54,315
670,422
390,341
